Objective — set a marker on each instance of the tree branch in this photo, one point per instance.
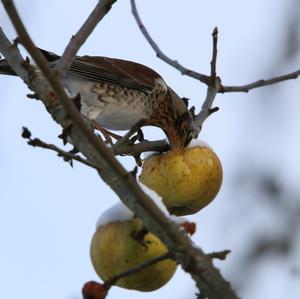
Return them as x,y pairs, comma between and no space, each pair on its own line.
192,259
213,72
206,109
68,156
95,290
211,81
107,284
260,83
184,71
212,90
77,40
126,149
201,77
141,147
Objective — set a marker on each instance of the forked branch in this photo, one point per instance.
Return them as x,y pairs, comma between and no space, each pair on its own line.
212,89
202,77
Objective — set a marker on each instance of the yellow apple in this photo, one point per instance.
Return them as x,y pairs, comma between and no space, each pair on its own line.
187,181
114,250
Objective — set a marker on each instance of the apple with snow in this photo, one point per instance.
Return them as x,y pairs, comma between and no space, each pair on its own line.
115,250
187,181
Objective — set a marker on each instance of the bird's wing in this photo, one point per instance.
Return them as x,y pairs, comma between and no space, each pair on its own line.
116,71
113,71
107,70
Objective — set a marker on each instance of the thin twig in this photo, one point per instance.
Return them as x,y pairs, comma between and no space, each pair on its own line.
212,89
77,40
206,109
213,63
220,255
260,83
68,156
107,284
184,71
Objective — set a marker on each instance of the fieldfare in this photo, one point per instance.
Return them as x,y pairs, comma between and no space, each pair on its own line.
118,95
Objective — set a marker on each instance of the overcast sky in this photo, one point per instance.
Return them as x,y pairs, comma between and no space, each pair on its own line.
48,210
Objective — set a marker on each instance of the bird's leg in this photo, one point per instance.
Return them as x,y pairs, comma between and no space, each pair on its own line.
139,136
67,124
107,134
66,127
134,129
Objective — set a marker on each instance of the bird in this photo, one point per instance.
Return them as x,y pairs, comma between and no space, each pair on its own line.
117,94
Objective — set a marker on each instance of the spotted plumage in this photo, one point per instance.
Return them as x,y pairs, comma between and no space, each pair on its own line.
117,94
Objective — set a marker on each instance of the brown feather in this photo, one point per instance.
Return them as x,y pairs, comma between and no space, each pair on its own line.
116,71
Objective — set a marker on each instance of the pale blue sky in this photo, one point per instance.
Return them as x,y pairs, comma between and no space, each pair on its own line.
48,210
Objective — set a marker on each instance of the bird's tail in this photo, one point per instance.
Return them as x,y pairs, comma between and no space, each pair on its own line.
5,69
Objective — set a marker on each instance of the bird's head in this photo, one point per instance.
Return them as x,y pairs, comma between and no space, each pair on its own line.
182,130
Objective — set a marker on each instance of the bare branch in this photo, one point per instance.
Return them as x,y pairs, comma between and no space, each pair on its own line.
212,90
260,83
213,63
77,40
136,269
212,81
141,147
184,71
68,156
201,77
192,259
206,109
